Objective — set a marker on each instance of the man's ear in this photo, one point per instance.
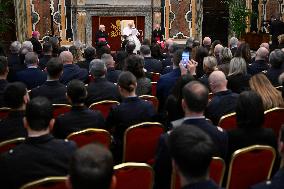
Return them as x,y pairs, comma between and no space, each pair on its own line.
113,182
183,105
51,124
68,182
26,125
26,98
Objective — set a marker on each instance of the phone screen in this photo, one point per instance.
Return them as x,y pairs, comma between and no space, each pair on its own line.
185,58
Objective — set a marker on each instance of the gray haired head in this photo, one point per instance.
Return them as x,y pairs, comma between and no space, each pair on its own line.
15,47
97,68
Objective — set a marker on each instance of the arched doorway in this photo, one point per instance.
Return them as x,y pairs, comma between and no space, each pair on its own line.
215,20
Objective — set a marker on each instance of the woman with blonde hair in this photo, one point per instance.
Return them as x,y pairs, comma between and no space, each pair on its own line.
271,97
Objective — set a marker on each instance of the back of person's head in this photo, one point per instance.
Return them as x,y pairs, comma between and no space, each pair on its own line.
207,41
3,65
195,96
66,57
145,50
28,46
90,53
76,91
91,167
233,42
177,57
262,53
102,50
108,60
156,51
146,42
39,113
226,55
135,64
249,110
97,68
130,46
217,81
192,151
127,81
15,47
218,49
209,64
265,45
75,52
173,48
201,53
189,43
47,48
61,49
54,68
31,58
237,66
276,58
244,51
15,95
120,59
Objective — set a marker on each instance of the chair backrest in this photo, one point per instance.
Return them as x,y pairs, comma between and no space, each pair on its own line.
228,122
4,112
141,142
91,135
134,175
273,119
279,88
59,109
155,76
249,166
47,183
103,106
154,88
216,173
9,144
154,100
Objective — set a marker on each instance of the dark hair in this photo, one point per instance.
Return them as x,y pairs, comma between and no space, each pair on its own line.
127,81
276,58
130,47
47,47
177,57
156,51
120,59
195,95
173,48
102,50
244,51
90,53
192,150
91,165
201,53
39,112
135,64
146,42
76,91
145,50
3,65
61,49
14,95
55,45
54,67
249,110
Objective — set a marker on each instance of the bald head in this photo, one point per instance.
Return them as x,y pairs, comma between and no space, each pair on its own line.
207,41
217,81
217,50
262,54
265,45
66,57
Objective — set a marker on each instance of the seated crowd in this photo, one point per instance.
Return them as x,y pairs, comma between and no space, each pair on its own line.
193,96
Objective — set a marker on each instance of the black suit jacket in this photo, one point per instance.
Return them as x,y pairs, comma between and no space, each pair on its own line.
112,75
32,77
152,65
238,83
36,46
206,184
15,65
257,67
85,64
101,89
277,182
36,158
53,90
163,163
79,118
72,71
273,75
43,61
13,126
3,84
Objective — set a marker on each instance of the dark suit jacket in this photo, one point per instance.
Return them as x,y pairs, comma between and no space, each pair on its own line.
238,83
12,127
257,67
273,75
206,184
32,77
84,64
101,89
3,84
222,103
53,90
36,158
112,75
277,182
43,61
15,65
79,118
234,50
73,71
163,164
152,65
276,29
36,46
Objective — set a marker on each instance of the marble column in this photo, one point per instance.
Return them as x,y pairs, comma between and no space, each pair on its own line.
21,20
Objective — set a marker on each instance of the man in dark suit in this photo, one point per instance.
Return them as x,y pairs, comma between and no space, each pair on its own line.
112,74
224,101
100,89
276,29
194,102
89,55
157,34
41,155
52,88
150,64
80,117
32,76
261,61
167,64
192,150
36,44
47,55
4,70
91,165
14,61
16,97
70,70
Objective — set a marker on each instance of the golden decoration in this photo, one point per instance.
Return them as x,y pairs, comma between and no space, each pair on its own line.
116,29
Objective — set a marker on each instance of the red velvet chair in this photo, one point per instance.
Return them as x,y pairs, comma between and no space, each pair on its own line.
141,142
103,106
4,112
249,166
59,109
155,76
154,88
9,144
228,122
273,119
47,183
216,173
91,135
154,100
134,175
